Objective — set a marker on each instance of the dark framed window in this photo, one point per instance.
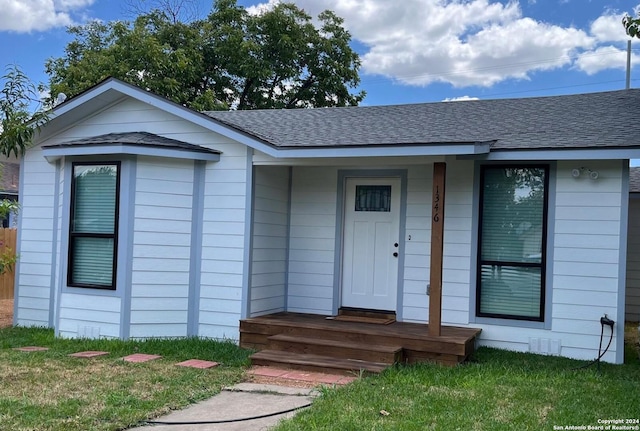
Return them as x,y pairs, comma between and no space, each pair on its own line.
93,230
512,242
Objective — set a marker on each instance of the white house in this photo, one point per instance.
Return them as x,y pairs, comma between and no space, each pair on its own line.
142,218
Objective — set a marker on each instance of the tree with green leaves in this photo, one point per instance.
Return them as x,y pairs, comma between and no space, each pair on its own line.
230,60
17,126
17,121
632,25
152,53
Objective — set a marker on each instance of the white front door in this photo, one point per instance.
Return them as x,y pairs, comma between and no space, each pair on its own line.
370,240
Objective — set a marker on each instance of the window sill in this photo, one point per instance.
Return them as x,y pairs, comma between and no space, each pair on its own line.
509,322
76,290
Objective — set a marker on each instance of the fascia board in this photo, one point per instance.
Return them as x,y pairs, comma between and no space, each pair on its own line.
53,154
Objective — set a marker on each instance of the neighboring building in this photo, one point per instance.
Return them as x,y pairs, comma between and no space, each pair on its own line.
142,218
9,181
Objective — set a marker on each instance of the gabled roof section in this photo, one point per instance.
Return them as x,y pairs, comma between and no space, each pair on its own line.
634,179
596,120
138,143
595,125
111,91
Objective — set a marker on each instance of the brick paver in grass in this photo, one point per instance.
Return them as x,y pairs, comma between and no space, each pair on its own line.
89,354
267,371
198,363
140,357
31,349
303,376
329,379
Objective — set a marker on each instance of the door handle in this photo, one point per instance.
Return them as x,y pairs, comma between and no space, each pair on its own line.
395,254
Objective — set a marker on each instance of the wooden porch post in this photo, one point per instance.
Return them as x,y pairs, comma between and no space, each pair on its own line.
437,235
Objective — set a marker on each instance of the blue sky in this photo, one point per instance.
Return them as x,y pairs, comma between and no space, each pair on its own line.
412,50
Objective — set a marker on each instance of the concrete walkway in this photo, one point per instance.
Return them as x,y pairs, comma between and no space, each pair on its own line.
240,401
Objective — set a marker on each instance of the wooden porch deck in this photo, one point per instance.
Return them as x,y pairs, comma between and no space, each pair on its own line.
314,342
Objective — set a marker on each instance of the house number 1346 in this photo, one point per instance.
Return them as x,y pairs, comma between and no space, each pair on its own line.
436,205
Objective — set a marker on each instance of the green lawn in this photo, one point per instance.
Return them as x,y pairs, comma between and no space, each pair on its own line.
497,391
51,391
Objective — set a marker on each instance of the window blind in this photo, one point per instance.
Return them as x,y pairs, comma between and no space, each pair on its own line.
93,225
511,242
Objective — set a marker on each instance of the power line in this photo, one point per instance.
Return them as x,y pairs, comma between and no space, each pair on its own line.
621,81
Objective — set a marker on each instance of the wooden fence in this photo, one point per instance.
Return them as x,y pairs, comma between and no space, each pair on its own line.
7,241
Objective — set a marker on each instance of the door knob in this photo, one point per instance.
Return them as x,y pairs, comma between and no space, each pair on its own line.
395,254
395,245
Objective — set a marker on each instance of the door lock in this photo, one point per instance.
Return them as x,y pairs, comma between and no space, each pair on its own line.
395,254
395,245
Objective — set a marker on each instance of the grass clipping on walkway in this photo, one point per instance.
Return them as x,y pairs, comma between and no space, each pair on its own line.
499,390
51,391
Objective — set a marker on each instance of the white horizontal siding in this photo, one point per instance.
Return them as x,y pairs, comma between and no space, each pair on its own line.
587,212
36,239
131,115
456,262
223,244
417,244
312,240
166,259
60,254
79,317
271,198
632,299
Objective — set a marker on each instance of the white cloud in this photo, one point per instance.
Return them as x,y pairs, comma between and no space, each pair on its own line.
460,99
486,57
262,7
604,57
467,43
70,5
38,15
608,28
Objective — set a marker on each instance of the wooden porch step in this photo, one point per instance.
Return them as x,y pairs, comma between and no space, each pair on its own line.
337,349
316,363
375,314
254,334
454,345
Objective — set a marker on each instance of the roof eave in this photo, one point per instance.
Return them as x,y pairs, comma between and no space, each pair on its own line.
53,153
395,150
593,153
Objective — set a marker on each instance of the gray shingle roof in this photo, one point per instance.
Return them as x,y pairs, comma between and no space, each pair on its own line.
634,180
144,139
607,119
